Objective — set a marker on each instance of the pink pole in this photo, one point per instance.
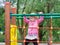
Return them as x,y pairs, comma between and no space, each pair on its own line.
7,23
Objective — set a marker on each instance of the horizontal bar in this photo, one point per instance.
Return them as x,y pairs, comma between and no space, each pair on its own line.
48,14
26,41
51,16
39,41
44,17
48,28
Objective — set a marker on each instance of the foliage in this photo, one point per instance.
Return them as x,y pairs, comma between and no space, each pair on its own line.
2,38
2,18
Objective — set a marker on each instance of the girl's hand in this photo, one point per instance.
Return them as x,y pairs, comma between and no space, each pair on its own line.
23,27
24,40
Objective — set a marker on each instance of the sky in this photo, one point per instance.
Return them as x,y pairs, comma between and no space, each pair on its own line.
2,3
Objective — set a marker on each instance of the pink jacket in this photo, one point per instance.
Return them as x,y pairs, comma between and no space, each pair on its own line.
33,25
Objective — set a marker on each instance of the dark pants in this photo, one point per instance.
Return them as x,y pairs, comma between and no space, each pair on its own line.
33,41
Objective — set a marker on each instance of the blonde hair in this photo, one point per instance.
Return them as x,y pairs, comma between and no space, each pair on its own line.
40,12
34,16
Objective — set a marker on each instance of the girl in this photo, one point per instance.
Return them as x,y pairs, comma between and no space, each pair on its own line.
32,34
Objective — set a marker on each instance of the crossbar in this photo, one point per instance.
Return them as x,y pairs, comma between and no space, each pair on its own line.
48,14
44,17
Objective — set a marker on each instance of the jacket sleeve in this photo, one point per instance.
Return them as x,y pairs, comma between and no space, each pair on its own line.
40,19
26,20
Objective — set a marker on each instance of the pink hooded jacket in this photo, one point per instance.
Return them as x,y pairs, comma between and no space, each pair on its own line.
33,25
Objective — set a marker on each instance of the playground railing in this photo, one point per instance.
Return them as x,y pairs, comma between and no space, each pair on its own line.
48,15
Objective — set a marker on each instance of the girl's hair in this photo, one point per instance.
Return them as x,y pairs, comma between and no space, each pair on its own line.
40,12
34,16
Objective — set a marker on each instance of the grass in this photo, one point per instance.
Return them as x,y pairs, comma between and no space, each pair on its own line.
2,38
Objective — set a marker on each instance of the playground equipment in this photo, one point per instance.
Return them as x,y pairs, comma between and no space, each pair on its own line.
13,35
53,15
8,30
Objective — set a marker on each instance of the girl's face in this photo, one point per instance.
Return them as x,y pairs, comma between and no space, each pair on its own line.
32,19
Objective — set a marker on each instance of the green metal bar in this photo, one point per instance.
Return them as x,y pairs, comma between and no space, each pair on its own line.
44,17
51,16
48,14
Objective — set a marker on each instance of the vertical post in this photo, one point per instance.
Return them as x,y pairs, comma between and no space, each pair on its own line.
38,38
13,18
24,33
13,30
50,33
7,23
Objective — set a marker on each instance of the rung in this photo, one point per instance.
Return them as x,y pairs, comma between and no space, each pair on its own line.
46,17
26,41
39,41
53,28
47,14
44,41
32,41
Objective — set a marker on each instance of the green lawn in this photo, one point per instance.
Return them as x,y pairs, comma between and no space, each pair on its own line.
2,38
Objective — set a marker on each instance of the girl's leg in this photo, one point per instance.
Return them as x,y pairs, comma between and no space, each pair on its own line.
26,43
35,43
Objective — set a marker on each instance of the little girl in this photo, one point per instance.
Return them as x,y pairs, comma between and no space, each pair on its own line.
32,34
